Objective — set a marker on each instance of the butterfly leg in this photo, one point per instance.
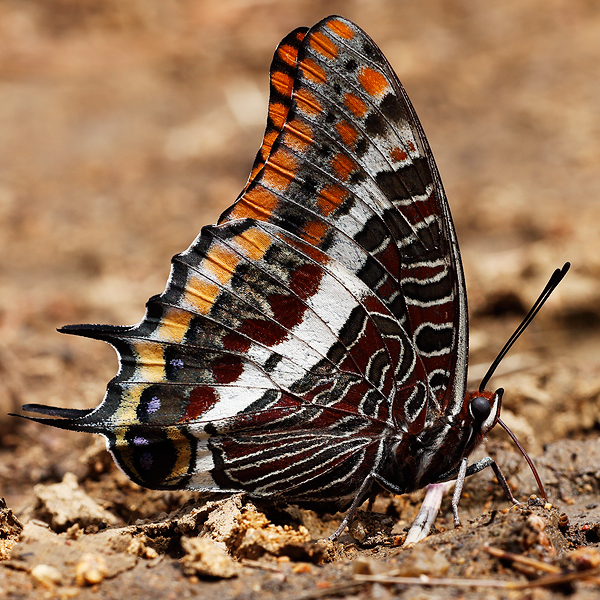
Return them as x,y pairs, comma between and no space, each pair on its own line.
372,497
464,472
358,500
370,504
490,462
460,482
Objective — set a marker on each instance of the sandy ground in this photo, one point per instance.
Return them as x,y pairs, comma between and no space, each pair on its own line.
125,126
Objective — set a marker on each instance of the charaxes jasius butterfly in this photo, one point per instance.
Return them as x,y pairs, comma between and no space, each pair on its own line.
312,345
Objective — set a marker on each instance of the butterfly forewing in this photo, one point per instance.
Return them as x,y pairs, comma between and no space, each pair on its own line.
321,321
352,162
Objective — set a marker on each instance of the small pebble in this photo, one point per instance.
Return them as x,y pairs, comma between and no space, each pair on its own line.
46,575
90,570
301,568
585,558
204,557
423,561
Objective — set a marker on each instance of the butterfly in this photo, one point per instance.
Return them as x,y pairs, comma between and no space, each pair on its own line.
310,347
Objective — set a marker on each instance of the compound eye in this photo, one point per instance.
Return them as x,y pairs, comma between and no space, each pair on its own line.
480,409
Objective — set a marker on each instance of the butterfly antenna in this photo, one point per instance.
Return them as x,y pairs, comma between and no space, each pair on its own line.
553,282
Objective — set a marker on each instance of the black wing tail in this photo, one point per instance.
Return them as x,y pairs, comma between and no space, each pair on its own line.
63,418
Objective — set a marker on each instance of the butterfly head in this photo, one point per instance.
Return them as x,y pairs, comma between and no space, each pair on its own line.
480,413
484,409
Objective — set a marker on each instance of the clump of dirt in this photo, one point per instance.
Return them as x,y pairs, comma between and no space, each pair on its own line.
203,557
63,505
10,530
255,536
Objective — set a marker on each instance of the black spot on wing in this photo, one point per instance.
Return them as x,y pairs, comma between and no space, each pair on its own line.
351,65
393,109
372,235
431,340
376,125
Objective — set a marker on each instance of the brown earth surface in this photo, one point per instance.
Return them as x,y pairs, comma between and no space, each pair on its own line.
126,126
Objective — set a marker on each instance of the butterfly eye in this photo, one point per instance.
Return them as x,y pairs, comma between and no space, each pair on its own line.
480,409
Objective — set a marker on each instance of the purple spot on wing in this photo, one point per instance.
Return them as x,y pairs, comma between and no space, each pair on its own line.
153,405
146,461
140,441
177,363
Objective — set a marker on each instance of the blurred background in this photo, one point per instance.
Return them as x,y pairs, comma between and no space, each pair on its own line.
127,125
